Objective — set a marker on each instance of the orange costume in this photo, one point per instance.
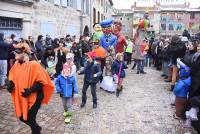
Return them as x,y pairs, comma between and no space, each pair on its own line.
24,76
100,52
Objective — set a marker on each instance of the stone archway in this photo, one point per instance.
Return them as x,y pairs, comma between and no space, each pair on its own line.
86,31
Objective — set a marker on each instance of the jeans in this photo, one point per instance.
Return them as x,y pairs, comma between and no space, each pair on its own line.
148,60
140,65
93,92
3,71
67,103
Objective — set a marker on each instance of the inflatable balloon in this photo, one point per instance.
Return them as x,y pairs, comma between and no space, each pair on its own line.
141,24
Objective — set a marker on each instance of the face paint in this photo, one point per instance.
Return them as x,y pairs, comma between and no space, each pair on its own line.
107,30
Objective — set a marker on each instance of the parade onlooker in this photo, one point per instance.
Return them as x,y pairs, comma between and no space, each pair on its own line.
118,71
75,49
92,72
31,44
177,50
3,59
61,55
129,51
40,48
194,93
165,60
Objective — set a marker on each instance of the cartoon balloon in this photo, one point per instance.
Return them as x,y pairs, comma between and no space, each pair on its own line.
141,24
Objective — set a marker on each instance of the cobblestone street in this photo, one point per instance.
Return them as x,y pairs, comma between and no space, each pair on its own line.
143,108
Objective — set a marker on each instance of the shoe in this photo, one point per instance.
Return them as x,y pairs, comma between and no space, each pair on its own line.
162,75
94,105
133,67
172,87
138,72
176,117
167,80
68,120
66,114
142,72
117,93
82,104
166,77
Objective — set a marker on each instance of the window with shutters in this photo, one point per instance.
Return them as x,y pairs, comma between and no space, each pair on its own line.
10,23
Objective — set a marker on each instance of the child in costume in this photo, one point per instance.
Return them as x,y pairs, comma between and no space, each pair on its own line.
66,85
118,71
108,39
182,88
30,86
92,72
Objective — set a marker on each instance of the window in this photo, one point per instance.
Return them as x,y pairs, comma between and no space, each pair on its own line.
171,27
10,23
87,7
192,16
57,2
94,15
98,16
64,3
163,27
102,17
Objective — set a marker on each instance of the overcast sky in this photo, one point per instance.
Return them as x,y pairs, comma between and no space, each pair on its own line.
126,4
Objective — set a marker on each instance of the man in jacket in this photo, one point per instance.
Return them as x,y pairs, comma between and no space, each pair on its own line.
3,59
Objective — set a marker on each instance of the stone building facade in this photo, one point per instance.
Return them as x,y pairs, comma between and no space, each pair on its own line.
101,9
54,17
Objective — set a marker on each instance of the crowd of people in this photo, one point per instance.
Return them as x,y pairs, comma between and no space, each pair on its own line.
27,69
178,58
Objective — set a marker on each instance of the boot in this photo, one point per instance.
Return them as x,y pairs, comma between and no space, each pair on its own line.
117,92
68,119
138,72
172,88
94,105
82,104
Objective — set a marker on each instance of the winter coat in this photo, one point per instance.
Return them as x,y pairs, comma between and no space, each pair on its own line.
195,73
89,70
182,87
4,50
116,68
165,54
67,86
187,59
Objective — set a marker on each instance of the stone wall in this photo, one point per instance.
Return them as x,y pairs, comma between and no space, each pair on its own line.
58,20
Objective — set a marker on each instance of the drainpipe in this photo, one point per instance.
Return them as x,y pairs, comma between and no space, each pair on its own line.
81,17
91,17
